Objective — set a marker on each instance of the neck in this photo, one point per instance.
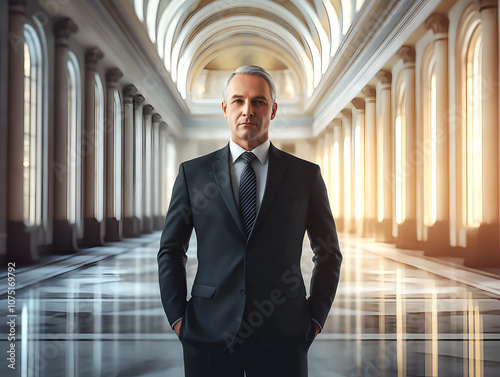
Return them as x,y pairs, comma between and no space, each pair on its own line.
249,145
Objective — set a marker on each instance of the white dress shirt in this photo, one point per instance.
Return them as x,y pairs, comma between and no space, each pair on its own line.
259,164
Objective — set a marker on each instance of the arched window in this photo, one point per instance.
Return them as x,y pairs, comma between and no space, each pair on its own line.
99,149
74,141
400,154
430,137
33,127
117,184
469,122
472,158
138,186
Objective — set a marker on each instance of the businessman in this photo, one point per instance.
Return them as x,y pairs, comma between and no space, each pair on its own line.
250,205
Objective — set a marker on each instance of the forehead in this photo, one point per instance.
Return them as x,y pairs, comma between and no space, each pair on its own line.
244,84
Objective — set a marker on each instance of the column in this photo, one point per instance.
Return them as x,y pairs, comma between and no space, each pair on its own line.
438,235
336,166
138,158
65,229
384,157
370,218
158,219
164,167
21,239
114,158
407,231
147,216
487,252
93,148
131,225
347,177
357,163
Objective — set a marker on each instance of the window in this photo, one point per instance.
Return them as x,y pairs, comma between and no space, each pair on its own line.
473,134
400,157
74,140
99,149
430,138
138,189
117,148
33,123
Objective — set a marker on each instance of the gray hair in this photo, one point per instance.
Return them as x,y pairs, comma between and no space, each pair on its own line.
251,70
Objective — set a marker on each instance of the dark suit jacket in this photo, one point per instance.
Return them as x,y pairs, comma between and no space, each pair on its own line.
252,284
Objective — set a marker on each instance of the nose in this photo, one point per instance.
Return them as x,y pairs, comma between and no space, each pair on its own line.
248,109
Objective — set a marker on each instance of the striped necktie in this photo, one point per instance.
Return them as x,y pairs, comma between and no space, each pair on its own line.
248,192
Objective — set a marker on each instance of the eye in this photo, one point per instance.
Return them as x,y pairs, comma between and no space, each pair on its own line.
259,102
238,101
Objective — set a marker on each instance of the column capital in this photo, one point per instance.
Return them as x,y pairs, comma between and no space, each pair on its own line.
369,91
148,109
407,54
438,23
129,91
64,27
346,113
358,103
385,77
156,117
113,75
92,56
164,126
138,99
487,4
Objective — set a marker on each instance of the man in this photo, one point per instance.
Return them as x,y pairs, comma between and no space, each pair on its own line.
250,205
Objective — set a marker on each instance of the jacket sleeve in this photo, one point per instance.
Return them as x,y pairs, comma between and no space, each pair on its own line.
173,248
325,245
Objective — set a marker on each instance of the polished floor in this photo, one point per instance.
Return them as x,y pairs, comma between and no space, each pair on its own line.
393,316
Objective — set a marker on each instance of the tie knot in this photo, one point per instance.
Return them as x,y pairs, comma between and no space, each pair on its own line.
247,157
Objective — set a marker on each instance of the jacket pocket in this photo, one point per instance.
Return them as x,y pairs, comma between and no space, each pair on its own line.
203,291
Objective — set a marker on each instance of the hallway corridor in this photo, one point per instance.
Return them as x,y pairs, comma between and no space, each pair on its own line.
388,319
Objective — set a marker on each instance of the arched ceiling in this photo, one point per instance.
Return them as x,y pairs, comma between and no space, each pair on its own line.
200,41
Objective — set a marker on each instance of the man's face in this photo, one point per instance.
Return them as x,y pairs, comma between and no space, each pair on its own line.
249,110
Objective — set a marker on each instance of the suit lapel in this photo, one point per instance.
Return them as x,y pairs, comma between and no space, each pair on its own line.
275,172
223,178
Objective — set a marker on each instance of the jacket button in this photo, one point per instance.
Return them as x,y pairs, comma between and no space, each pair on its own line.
242,291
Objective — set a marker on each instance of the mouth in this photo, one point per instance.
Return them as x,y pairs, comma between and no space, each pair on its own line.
247,124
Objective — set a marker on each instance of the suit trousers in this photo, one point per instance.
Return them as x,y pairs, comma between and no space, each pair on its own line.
248,357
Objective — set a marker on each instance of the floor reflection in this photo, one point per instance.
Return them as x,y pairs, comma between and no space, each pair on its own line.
389,319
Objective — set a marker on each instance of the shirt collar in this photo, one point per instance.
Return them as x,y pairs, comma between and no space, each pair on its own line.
261,152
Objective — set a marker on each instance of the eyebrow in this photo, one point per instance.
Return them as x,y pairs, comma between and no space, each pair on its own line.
236,96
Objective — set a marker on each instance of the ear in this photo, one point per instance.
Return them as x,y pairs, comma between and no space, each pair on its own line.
274,110
224,107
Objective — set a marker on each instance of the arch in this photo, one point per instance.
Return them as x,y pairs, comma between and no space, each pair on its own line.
468,122
117,166
201,61
99,148
220,45
74,158
275,9
429,136
35,125
400,153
